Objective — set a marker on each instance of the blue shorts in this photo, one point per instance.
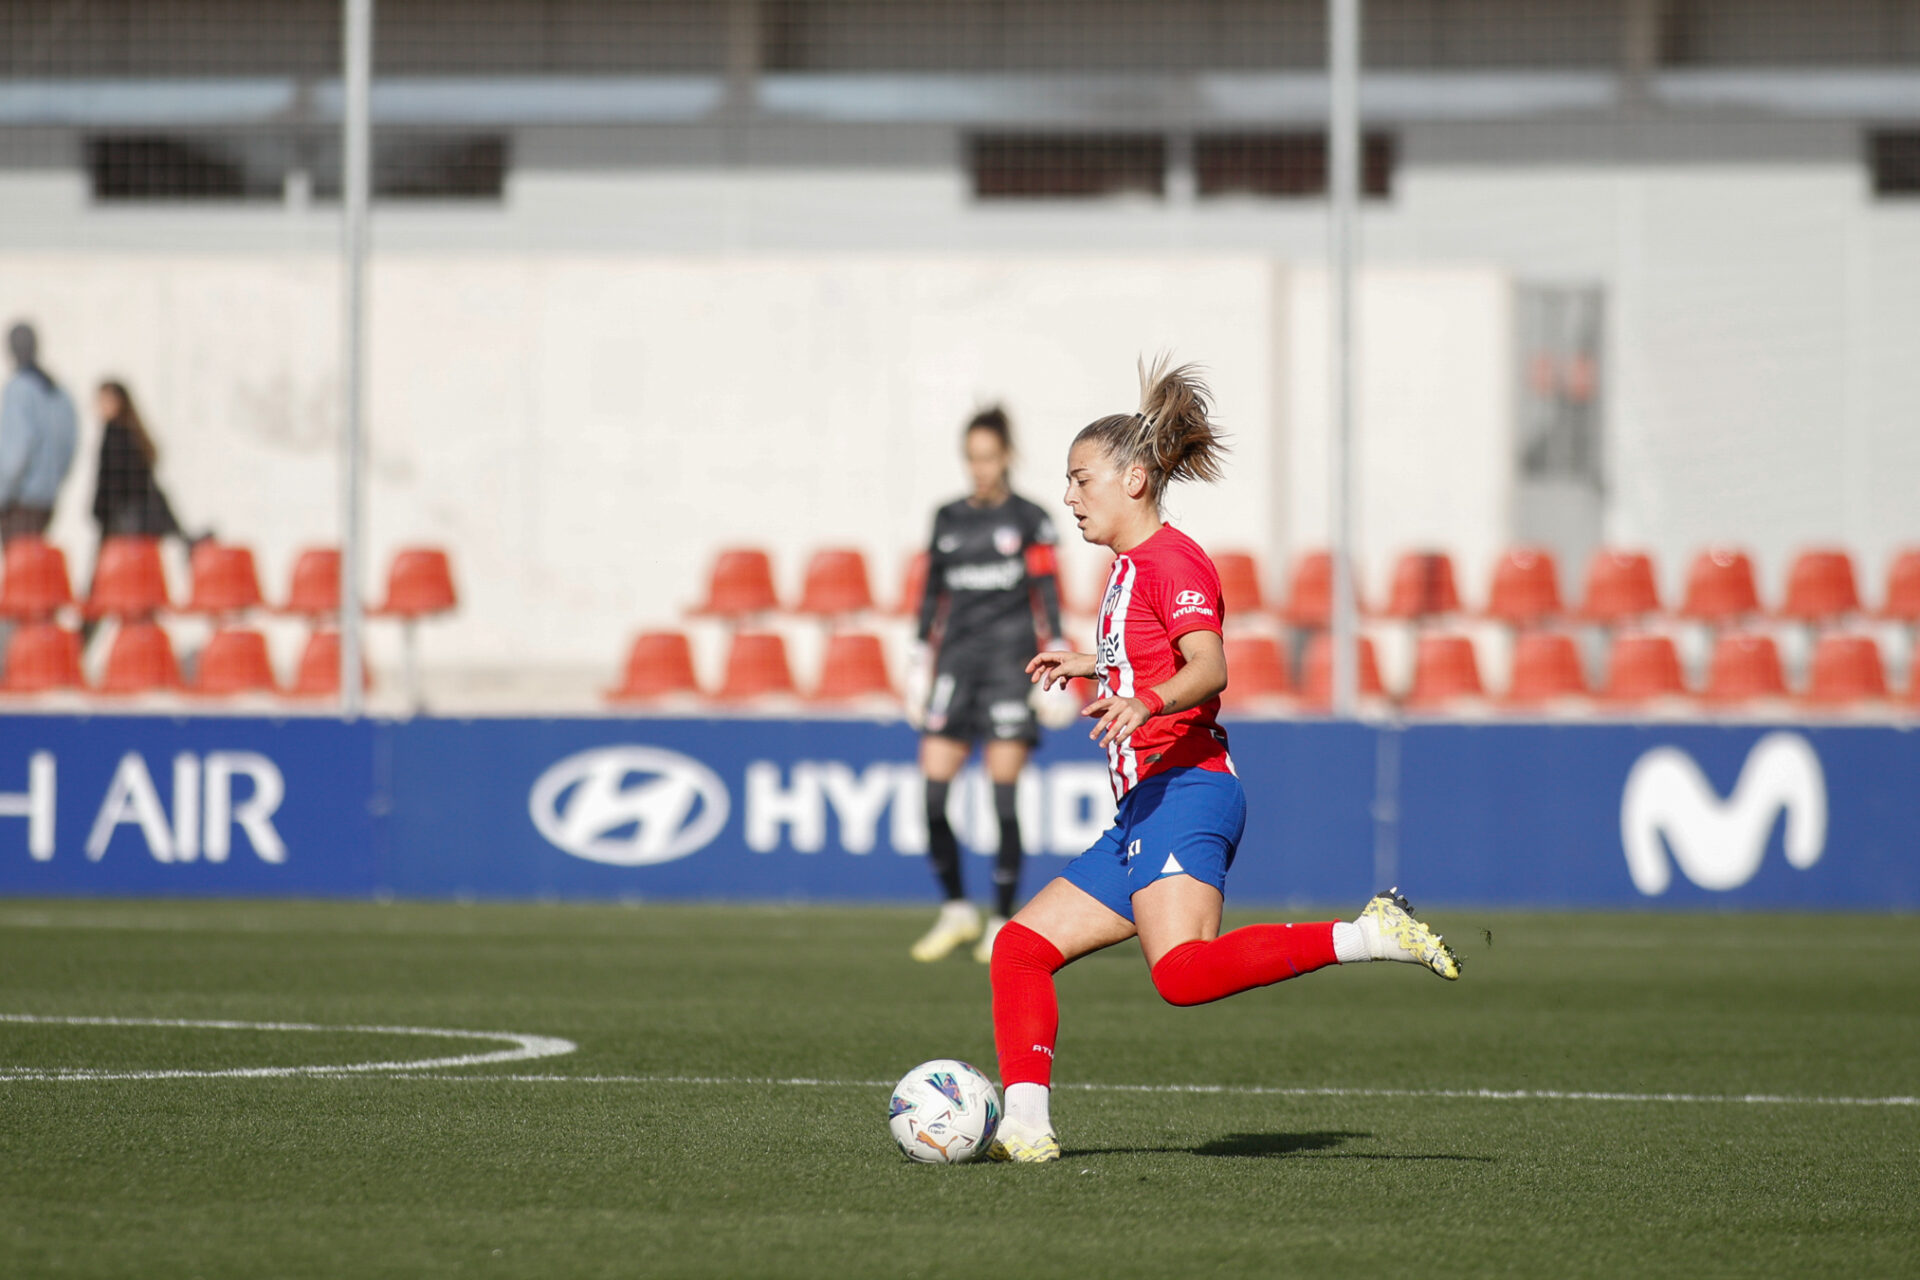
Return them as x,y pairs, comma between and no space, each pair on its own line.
1181,822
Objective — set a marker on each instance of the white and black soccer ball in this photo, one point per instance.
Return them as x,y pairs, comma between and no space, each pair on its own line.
943,1112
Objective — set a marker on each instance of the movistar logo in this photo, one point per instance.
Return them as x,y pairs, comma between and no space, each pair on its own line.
1669,805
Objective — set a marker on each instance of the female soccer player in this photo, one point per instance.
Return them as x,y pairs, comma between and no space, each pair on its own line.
989,563
1159,873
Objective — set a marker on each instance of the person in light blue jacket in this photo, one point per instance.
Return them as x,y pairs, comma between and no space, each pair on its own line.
38,431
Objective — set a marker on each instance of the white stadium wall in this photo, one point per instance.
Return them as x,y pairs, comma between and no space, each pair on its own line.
584,432
583,392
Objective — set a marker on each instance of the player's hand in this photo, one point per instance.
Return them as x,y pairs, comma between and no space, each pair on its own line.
917,686
1118,718
1057,666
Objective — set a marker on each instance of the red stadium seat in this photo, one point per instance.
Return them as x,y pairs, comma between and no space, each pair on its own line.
1310,593
234,661
913,585
1423,586
140,661
1745,668
128,581
1820,587
756,668
419,583
318,675
1846,669
1316,684
659,665
224,580
836,583
1546,668
1620,587
315,590
1239,583
36,584
1720,587
855,667
1643,667
1256,670
1526,588
1903,588
1445,671
42,656
741,583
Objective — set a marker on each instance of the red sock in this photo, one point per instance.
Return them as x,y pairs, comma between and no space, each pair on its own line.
1026,1013
1256,956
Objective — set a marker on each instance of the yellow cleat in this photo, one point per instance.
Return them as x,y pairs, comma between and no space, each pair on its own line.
1017,1147
957,925
1392,933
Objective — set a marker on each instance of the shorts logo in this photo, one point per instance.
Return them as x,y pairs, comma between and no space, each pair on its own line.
1006,540
1133,851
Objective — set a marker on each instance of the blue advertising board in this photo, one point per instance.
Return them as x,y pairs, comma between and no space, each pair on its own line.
162,805
611,808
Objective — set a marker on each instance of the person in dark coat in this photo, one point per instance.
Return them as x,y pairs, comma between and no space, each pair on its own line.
126,496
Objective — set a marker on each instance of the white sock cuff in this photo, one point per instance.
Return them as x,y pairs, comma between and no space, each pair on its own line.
1349,943
1027,1106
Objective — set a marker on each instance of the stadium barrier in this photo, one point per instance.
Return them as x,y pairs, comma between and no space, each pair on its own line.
774,810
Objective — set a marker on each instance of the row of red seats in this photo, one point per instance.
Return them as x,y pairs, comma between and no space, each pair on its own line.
1621,587
1641,667
660,665
43,657
129,581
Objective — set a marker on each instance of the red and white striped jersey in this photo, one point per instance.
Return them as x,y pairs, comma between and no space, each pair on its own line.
1156,593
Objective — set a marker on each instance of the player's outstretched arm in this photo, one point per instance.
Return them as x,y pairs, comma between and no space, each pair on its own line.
1057,666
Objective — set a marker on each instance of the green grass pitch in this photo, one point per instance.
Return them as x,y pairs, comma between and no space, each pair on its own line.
659,1147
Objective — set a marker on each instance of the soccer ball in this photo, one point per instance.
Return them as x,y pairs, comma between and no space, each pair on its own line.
943,1112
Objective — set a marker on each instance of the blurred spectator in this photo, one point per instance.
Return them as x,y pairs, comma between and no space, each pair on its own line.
127,498
37,434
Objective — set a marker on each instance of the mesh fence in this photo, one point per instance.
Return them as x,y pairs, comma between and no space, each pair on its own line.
656,282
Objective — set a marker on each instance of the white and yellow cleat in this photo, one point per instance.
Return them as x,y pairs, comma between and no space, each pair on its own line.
983,950
1392,933
1023,1146
957,925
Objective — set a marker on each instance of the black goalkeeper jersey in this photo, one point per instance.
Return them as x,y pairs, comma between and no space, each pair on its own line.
991,590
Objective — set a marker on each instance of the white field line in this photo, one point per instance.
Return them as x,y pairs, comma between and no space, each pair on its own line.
523,1048
529,1047
1234,1090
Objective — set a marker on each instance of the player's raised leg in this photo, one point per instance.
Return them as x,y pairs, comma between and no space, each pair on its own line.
1179,917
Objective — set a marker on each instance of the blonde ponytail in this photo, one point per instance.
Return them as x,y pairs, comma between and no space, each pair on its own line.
1172,435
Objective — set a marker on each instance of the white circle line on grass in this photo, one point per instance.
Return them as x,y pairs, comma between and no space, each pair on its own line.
520,1048
1241,1090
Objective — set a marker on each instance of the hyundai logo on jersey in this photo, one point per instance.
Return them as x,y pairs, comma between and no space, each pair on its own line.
629,806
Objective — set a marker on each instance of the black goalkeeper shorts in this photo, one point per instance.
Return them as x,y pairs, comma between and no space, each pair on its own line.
976,705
